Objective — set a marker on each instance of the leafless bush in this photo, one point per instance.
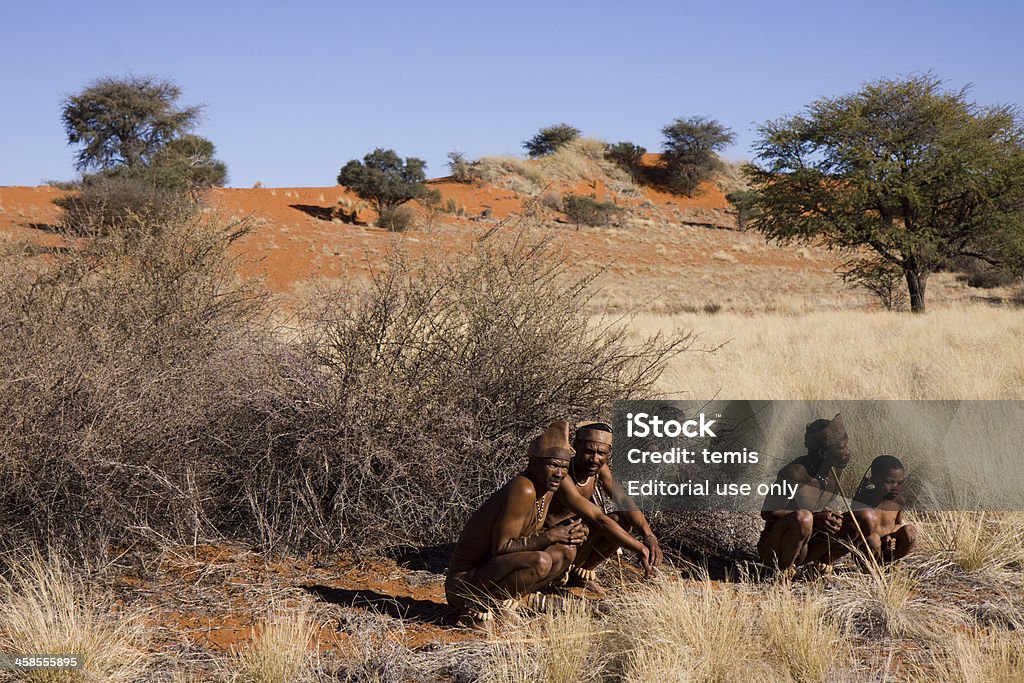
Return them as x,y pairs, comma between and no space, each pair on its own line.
149,399
432,381
137,383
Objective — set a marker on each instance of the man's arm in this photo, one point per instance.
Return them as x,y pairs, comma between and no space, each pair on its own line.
807,498
519,508
570,498
775,506
629,510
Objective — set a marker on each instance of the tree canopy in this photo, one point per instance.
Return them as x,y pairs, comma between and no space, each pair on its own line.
549,139
133,127
689,152
902,175
125,121
384,179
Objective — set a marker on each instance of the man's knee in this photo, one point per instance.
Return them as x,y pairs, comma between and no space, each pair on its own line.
908,534
561,556
804,521
867,520
541,564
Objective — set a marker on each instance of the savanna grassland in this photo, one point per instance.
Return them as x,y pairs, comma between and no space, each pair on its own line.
229,440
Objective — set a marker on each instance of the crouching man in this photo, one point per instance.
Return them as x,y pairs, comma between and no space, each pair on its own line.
504,551
580,497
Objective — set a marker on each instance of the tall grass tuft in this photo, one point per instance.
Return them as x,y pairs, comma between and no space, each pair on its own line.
885,602
283,648
45,609
689,632
789,617
564,647
978,542
979,657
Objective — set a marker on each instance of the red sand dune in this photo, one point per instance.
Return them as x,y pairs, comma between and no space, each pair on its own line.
296,240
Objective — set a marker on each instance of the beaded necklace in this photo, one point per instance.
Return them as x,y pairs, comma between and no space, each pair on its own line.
572,475
541,505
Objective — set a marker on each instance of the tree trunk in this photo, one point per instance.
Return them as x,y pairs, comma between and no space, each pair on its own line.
916,282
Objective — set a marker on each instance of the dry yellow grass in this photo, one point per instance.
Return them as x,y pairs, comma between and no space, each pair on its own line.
681,631
960,352
46,610
789,617
979,657
281,650
559,648
884,602
982,542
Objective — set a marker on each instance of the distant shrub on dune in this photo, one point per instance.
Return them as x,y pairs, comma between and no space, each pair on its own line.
588,210
113,203
387,181
549,139
627,156
462,169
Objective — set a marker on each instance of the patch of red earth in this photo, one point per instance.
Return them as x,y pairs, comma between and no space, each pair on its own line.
296,241
475,200
214,597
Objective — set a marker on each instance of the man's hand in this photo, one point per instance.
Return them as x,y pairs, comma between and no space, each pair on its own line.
827,521
888,548
657,557
568,534
645,561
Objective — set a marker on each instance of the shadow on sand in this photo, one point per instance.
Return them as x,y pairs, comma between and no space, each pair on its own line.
399,607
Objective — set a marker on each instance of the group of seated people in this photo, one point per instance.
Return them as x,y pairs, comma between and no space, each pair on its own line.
549,527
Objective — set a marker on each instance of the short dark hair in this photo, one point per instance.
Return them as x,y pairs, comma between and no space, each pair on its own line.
813,428
884,463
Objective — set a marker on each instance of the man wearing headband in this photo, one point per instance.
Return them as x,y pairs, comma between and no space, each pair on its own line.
807,527
581,497
504,551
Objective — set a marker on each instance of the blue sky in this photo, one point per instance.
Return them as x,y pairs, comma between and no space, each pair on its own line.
293,92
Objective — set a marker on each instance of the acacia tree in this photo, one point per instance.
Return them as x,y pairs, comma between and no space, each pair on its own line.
549,139
133,128
188,161
124,122
689,152
901,174
386,181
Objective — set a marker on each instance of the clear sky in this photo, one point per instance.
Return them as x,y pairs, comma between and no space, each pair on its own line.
294,91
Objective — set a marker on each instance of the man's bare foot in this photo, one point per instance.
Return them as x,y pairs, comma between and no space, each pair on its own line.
476,619
815,571
587,580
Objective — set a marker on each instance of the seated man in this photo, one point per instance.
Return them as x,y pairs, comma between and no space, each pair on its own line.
807,528
504,551
878,511
580,497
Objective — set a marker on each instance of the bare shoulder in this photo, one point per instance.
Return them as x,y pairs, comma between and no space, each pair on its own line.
521,488
795,471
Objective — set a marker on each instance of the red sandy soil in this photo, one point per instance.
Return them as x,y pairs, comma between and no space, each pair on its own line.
668,252
212,598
